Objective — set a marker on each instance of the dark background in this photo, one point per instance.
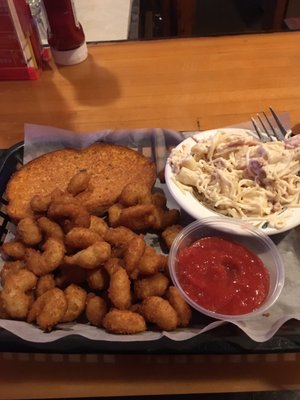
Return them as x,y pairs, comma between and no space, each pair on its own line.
186,18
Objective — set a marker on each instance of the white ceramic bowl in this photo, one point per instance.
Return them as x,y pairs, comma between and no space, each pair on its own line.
241,233
191,205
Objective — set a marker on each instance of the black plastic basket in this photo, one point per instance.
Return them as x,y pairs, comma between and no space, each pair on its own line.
226,339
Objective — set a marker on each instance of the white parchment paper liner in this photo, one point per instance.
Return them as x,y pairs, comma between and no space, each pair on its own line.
156,143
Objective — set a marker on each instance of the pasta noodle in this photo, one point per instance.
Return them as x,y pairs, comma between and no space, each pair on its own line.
238,176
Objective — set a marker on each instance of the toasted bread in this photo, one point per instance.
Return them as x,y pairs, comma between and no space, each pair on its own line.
111,168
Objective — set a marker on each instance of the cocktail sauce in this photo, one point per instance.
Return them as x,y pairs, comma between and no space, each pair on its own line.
223,276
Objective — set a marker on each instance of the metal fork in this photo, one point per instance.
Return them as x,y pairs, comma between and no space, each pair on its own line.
270,133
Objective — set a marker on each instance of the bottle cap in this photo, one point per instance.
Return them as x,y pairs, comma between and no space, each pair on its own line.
70,57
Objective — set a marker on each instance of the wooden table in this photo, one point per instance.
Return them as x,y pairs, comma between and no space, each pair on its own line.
186,84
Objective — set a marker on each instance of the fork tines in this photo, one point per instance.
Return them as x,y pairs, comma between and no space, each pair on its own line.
269,133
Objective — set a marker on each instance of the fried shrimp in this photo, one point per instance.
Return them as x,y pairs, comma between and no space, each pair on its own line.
13,249
98,225
95,310
81,238
152,262
97,279
161,219
10,267
119,236
135,193
50,229
79,182
170,233
91,257
76,300
41,263
124,322
155,285
169,217
119,288
39,204
44,284
133,253
114,213
70,212
16,295
119,239
159,200
160,312
183,310
113,264
48,309
136,218
28,231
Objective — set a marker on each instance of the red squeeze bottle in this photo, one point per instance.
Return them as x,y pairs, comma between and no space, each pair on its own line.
65,34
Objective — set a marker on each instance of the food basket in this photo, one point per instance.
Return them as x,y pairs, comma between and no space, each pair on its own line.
226,339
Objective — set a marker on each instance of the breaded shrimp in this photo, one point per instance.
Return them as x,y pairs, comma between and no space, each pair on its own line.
119,288
151,262
95,310
41,263
119,236
160,312
170,233
69,214
79,182
124,322
29,232
91,257
135,193
76,299
44,284
136,218
50,229
155,285
161,219
48,309
81,238
10,267
13,249
114,213
39,204
119,239
113,264
133,253
183,310
159,200
15,296
98,225
97,279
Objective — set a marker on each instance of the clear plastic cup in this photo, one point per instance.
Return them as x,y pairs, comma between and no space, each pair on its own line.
239,232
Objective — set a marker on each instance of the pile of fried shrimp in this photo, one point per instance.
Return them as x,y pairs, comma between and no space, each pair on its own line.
66,265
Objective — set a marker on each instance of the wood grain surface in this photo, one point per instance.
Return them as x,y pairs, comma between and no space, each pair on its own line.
183,84
32,376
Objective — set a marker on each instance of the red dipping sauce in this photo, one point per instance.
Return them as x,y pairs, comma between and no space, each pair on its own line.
223,276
